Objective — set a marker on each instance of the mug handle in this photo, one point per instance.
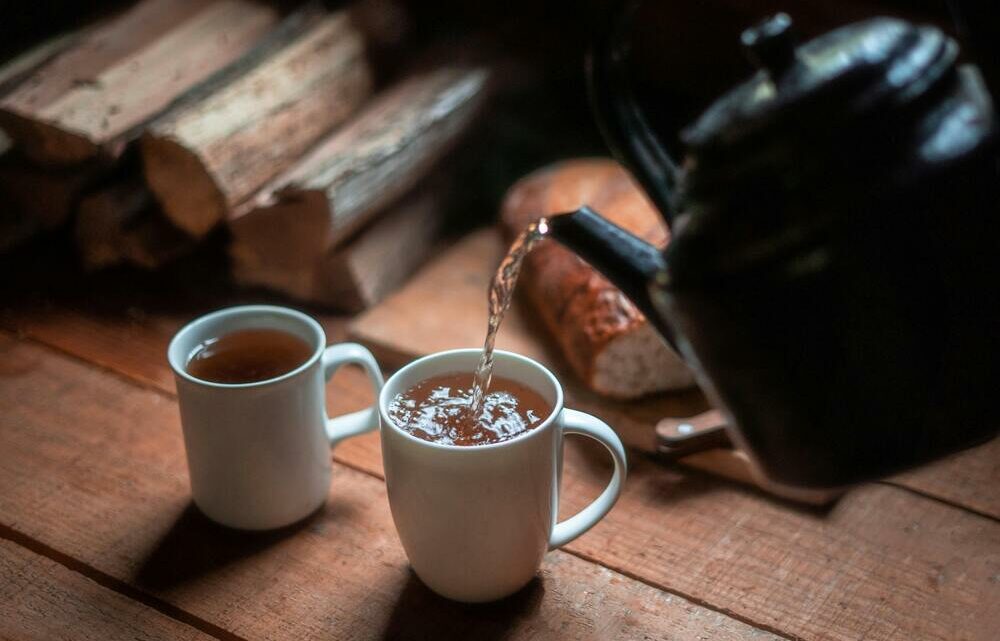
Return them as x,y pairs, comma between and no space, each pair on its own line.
574,422
355,423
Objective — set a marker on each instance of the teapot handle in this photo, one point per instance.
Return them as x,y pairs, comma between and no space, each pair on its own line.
623,124
980,31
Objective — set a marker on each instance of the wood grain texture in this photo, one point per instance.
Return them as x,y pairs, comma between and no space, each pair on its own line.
357,172
90,98
970,478
108,487
882,560
40,599
212,153
877,565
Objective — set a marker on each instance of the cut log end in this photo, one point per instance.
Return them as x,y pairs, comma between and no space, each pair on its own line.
279,246
184,188
349,278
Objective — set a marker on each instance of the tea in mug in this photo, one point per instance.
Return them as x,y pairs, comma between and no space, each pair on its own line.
439,410
248,356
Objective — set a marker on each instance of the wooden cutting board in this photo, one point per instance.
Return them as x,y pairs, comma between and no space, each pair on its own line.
444,307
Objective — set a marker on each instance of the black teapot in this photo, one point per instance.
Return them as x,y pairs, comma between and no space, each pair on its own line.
835,257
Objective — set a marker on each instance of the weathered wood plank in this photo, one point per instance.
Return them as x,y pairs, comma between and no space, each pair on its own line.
877,565
879,558
123,72
970,478
40,599
107,485
811,539
207,156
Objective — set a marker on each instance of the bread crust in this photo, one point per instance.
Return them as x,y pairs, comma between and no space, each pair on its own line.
581,309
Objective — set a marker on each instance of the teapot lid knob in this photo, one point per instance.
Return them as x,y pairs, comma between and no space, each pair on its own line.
770,44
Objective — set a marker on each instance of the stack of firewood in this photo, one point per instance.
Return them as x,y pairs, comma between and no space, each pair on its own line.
152,128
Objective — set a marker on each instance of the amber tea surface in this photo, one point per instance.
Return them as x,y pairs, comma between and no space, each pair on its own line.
248,356
439,409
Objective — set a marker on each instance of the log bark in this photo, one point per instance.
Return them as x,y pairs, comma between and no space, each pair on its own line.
304,214
91,99
121,223
214,152
364,270
20,66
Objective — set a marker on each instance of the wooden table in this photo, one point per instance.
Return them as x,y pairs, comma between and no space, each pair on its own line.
99,540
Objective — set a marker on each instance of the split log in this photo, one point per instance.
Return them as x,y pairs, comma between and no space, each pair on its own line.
31,199
364,270
304,214
121,223
91,99
214,152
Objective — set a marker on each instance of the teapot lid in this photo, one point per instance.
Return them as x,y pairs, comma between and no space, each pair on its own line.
868,68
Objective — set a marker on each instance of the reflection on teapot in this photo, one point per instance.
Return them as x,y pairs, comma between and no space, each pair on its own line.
835,246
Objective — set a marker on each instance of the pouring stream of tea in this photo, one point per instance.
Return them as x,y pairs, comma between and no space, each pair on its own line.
500,293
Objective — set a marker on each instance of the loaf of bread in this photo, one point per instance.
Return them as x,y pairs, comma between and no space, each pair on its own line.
602,335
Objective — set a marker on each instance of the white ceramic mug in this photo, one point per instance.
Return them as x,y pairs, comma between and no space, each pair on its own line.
259,453
475,521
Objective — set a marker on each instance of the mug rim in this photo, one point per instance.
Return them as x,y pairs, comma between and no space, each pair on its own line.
240,310
557,406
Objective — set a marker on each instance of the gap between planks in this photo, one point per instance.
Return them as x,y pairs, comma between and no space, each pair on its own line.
107,581
940,499
774,550
202,625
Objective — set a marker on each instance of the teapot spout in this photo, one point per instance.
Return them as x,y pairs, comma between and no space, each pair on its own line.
622,122
630,263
